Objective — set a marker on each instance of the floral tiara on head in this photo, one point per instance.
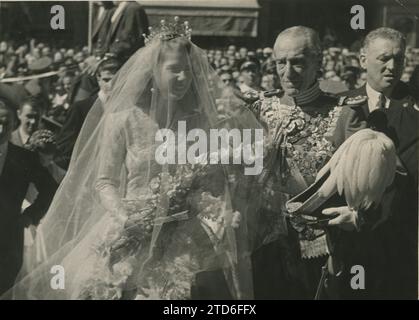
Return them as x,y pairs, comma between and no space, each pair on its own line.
168,31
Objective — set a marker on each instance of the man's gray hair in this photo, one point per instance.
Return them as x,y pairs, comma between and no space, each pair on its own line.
384,33
309,34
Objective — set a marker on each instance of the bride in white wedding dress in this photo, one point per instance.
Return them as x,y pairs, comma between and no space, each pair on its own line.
122,226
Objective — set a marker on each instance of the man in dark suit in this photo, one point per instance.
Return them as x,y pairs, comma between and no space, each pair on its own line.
78,112
29,116
128,23
101,25
389,251
18,168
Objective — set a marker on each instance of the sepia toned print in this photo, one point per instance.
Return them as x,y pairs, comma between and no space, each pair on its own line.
209,150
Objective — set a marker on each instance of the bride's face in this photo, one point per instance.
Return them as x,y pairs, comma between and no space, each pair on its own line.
173,77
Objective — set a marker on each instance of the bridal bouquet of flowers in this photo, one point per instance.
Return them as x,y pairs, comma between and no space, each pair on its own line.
165,200
169,197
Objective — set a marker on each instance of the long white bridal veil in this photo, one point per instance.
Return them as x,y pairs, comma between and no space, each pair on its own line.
140,209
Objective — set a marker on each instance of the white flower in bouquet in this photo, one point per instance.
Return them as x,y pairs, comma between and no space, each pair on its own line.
155,184
210,206
236,219
123,268
213,157
166,178
102,286
153,292
120,274
201,158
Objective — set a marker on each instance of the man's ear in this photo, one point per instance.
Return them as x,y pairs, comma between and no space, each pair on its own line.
363,58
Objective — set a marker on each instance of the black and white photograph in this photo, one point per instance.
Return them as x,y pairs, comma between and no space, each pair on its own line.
209,150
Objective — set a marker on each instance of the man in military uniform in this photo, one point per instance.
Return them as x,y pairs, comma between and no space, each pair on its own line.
388,253
299,122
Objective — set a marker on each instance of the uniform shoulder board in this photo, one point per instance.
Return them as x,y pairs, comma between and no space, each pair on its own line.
272,93
352,101
329,94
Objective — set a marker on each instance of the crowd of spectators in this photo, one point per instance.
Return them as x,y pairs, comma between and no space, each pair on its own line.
52,92
256,68
243,68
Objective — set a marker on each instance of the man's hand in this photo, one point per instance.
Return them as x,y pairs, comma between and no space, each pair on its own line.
347,219
91,65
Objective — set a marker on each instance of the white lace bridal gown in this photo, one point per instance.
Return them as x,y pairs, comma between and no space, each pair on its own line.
127,165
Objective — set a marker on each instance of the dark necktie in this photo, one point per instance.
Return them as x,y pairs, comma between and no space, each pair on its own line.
381,103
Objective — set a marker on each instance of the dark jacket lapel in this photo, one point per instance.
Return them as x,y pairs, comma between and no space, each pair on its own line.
99,23
114,25
362,91
11,163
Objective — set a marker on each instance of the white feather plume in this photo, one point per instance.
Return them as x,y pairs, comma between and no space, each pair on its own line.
361,169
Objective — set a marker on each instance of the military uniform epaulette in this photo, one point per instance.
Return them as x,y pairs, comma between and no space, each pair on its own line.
352,101
328,94
328,98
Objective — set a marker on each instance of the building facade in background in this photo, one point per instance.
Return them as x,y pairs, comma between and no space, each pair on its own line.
217,23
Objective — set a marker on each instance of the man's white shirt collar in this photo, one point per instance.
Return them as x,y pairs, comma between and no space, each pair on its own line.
373,98
23,136
103,97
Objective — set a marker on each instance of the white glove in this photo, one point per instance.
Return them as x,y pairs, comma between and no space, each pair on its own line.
347,219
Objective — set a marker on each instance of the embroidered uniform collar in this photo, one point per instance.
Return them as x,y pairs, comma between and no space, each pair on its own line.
307,96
